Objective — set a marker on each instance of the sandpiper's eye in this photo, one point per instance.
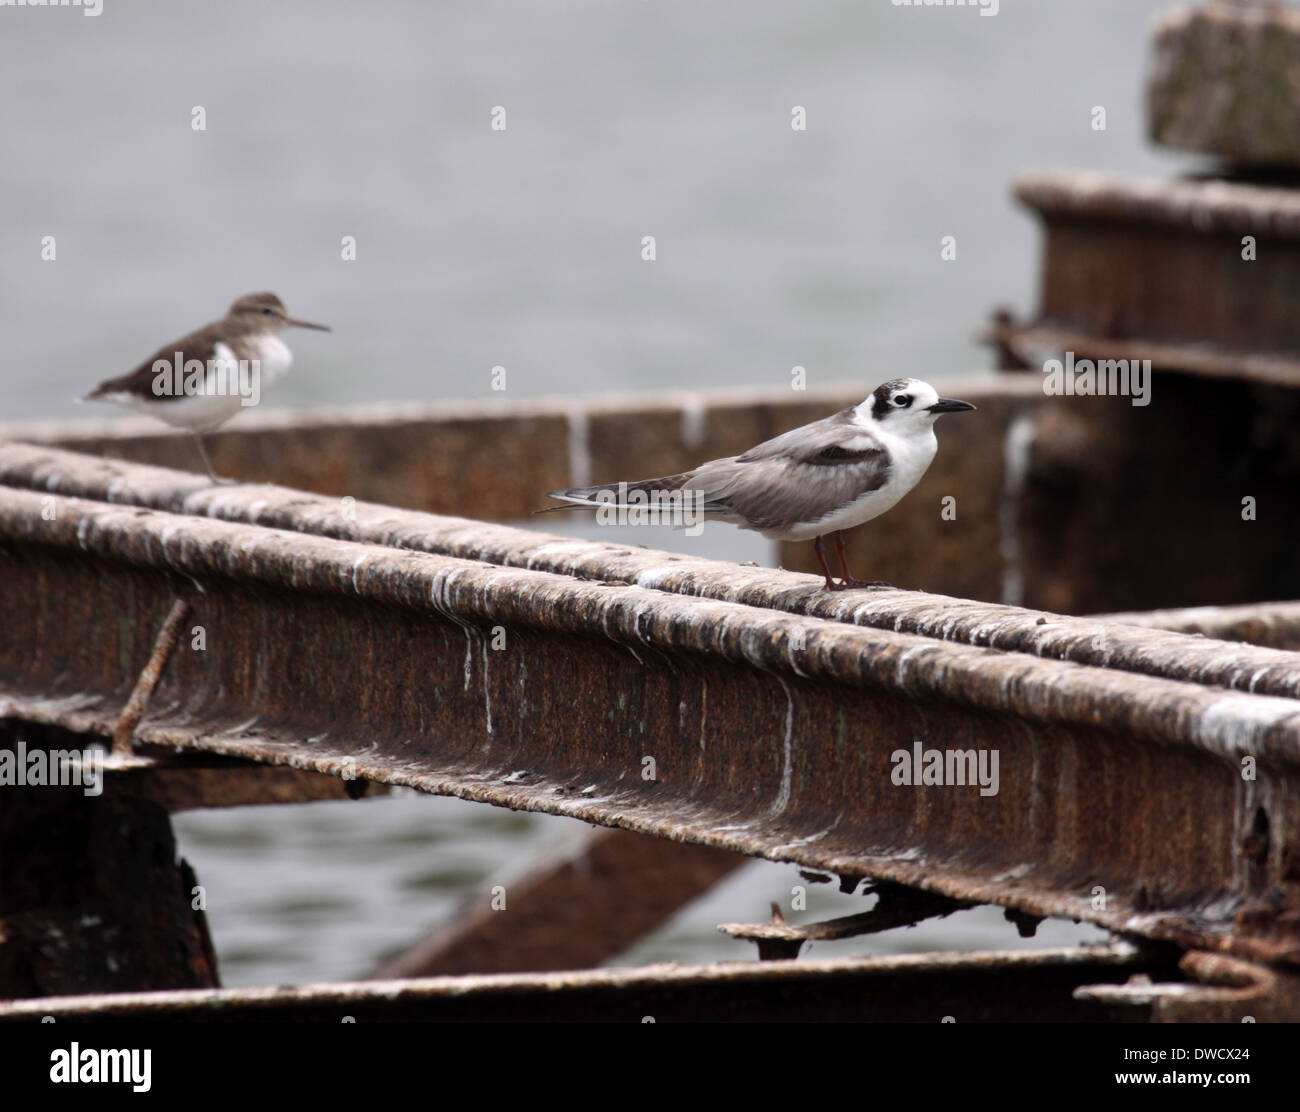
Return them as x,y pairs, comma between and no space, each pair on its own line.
902,400
268,312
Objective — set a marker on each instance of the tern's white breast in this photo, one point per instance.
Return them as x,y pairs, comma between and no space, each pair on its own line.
910,457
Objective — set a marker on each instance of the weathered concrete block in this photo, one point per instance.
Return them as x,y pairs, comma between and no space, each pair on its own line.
1226,81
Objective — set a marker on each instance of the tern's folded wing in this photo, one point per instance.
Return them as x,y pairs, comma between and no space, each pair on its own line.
798,478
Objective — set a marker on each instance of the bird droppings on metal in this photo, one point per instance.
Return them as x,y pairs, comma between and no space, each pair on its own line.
1016,457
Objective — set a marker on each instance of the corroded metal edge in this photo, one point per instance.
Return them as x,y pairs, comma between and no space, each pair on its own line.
1030,341
928,987
1034,708
1206,927
1203,207
212,1003
1272,624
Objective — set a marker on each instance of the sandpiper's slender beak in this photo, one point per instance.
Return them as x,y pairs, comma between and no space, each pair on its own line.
948,405
307,324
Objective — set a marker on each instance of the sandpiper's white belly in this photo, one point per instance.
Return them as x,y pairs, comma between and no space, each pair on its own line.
275,358
227,388
198,412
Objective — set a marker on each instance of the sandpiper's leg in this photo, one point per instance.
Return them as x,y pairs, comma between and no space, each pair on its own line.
207,463
849,580
831,585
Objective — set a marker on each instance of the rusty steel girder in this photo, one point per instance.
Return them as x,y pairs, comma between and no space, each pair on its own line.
1048,985
604,683
1165,270
1107,642
1093,983
1272,624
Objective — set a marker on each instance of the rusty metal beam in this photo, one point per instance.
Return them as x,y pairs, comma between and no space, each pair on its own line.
189,780
1274,625
574,909
1159,271
1032,343
1204,206
1042,986
767,733
192,780
1140,262
1213,989
1092,641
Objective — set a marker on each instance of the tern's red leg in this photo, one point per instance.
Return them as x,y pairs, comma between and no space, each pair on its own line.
849,580
831,585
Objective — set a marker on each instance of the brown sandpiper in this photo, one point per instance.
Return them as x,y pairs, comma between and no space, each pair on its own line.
203,379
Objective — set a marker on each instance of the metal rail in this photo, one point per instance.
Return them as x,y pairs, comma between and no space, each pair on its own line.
1108,643
1115,982
1048,985
1121,797
1137,268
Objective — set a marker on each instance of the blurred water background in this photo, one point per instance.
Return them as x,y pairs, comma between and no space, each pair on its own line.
522,248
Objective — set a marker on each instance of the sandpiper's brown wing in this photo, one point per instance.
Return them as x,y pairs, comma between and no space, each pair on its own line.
796,478
200,344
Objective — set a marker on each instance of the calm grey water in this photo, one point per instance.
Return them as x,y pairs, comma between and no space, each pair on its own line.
522,248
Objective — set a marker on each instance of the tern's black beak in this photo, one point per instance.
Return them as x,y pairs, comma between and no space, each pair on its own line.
948,405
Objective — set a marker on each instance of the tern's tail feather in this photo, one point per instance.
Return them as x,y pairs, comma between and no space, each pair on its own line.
612,494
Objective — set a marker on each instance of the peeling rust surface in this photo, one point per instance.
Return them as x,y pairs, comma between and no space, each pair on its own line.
770,733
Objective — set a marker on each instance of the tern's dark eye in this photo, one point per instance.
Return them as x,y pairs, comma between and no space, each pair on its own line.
902,400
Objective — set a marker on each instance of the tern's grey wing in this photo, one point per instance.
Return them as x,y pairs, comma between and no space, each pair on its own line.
797,478
806,438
